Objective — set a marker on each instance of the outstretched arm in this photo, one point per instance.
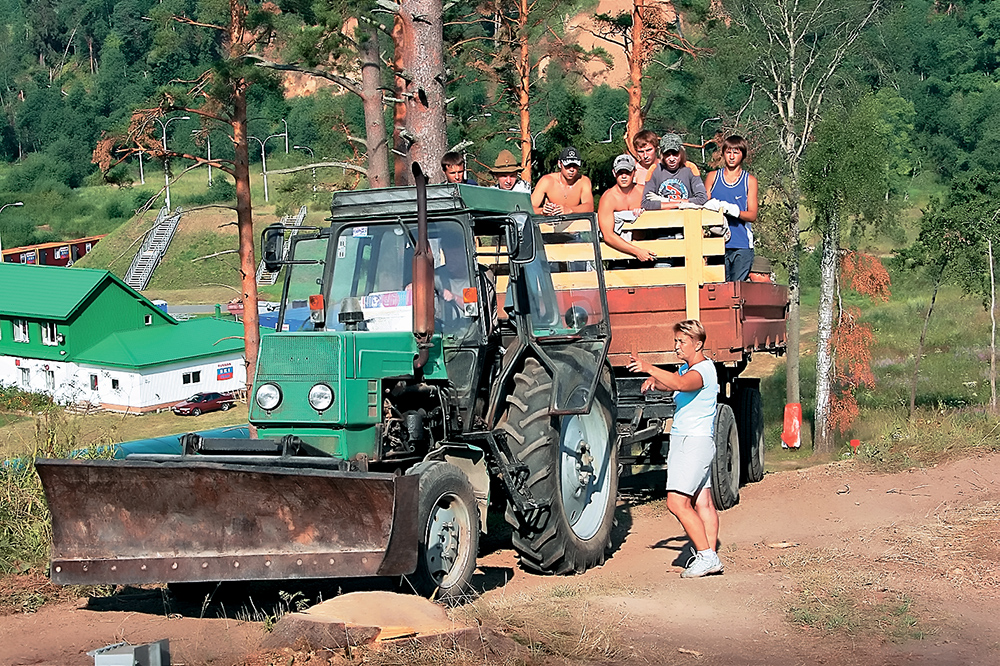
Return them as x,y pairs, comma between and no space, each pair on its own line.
664,380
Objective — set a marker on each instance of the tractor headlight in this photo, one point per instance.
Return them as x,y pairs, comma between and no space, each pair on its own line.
268,396
321,397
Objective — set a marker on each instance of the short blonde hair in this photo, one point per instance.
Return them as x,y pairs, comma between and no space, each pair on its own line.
692,328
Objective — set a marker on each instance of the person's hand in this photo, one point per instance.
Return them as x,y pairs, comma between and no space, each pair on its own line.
637,211
551,209
644,255
636,365
731,209
648,385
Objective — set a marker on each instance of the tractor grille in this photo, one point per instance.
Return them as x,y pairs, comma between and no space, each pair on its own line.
295,356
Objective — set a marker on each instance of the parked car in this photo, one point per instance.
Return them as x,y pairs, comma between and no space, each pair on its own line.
200,403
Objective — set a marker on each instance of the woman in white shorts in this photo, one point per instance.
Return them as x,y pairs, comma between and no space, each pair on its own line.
692,444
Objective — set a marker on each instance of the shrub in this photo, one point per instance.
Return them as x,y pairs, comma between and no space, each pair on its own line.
14,399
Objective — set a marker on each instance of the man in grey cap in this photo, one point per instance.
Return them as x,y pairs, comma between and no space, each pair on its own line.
619,207
506,170
672,182
565,191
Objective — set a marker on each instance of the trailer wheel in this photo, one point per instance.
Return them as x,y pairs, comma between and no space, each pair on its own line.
726,464
750,424
573,466
449,532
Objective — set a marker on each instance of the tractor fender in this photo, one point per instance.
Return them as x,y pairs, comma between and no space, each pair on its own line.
472,461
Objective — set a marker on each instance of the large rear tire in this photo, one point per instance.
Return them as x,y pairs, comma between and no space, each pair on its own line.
750,424
726,464
449,532
573,465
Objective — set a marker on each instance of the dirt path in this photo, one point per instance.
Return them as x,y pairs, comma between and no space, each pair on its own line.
909,562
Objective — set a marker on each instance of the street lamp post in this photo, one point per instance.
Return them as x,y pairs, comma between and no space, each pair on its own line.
285,123
166,161
263,161
15,203
142,175
702,135
612,129
208,142
312,156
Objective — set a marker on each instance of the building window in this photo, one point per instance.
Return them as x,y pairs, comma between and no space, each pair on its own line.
93,382
114,384
25,377
50,336
148,320
50,380
21,330
192,377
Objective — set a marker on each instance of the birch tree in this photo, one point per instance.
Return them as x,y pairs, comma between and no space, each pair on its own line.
844,179
797,49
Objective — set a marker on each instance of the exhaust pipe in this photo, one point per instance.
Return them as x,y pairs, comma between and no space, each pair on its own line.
423,277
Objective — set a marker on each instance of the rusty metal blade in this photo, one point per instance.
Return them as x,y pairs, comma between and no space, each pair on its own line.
129,522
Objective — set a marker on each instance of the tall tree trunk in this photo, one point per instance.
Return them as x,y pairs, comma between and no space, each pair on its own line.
993,330
793,325
634,58
523,98
400,144
244,209
423,57
923,337
371,94
823,437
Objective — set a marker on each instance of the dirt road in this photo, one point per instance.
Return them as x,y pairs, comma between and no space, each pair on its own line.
824,565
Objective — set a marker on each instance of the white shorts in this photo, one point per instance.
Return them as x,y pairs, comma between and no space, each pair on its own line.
689,463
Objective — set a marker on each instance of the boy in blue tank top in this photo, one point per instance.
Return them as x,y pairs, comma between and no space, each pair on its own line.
738,189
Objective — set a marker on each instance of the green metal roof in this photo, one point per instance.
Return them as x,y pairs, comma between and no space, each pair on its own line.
54,292
440,199
161,345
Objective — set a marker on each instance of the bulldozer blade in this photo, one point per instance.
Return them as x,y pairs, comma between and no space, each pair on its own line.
139,521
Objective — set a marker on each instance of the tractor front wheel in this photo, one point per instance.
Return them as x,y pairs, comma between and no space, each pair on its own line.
726,464
573,468
449,532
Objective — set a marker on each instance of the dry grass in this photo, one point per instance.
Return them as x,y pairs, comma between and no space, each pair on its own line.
961,545
836,597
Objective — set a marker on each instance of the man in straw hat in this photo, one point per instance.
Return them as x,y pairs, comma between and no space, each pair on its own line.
507,172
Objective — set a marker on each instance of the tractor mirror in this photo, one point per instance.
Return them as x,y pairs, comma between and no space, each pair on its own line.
272,243
521,238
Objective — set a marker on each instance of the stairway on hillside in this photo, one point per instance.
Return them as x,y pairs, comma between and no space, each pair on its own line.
154,246
266,277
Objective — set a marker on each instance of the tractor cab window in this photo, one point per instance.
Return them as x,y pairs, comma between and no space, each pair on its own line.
374,264
304,280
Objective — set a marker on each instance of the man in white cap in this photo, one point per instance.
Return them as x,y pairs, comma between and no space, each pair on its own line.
507,172
619,207
565,191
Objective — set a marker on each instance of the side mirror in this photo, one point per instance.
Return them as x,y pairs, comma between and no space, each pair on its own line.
521,238
272,243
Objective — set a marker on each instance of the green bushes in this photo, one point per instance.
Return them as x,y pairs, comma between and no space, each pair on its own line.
13,399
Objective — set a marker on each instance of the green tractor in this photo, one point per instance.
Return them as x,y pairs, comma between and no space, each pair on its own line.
424,370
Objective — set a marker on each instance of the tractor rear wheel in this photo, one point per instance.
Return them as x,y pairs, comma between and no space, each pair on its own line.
573,466
726,464
448,532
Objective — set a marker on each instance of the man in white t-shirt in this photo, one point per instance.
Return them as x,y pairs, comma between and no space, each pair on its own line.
692,444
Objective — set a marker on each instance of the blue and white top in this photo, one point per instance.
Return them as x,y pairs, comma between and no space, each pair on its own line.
695,413
738,193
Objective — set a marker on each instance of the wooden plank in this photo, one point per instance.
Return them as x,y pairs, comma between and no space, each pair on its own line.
578,280
570,226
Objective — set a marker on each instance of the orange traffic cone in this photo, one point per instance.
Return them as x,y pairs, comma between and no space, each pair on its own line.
791,436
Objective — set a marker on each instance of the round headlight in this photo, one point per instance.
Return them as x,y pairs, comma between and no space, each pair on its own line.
268,396
321,397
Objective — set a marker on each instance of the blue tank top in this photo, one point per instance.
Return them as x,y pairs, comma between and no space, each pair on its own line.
742,231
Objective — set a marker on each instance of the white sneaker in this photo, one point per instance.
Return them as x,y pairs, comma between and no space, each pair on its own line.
702,565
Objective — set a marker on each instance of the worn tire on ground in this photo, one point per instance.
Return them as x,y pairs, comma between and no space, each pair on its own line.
572,533
750,424
448,536
726,464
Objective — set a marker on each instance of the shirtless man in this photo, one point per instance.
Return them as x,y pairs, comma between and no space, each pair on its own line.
565,191
619,206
